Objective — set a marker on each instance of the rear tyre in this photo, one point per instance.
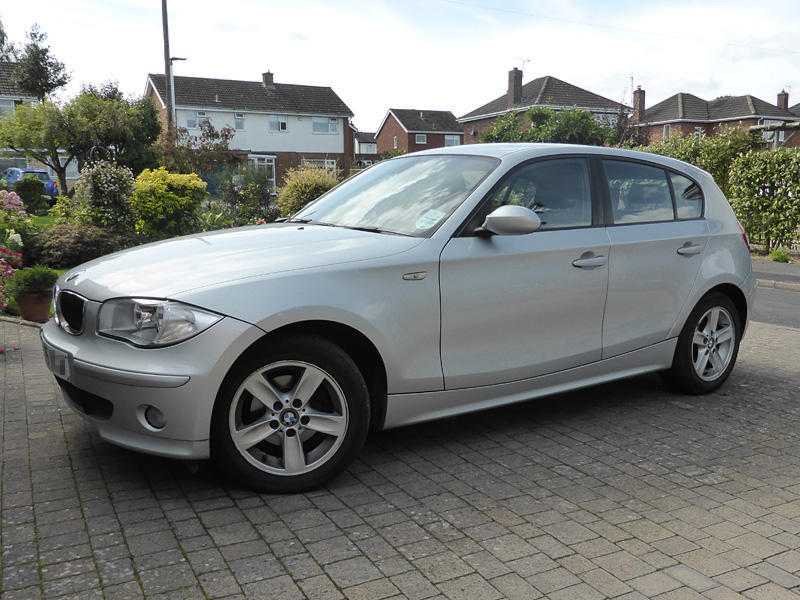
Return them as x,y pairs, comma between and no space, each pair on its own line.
707,346
290,415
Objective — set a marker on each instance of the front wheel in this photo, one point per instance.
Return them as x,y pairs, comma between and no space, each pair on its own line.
707,346
290,415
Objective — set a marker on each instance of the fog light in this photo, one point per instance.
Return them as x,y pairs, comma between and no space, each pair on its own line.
154,417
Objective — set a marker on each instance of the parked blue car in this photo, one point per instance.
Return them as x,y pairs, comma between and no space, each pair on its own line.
14,174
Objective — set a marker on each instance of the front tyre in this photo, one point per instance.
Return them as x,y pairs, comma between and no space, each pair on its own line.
707,346
290,415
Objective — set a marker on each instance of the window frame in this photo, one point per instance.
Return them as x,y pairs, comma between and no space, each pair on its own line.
452,135
269,159
281,120
238,117
423,136
595,194
606,191
328,121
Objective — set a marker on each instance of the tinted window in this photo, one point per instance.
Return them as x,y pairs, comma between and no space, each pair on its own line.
688,197
557,190
639,193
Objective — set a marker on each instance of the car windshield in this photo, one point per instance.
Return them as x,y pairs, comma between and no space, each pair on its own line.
409,195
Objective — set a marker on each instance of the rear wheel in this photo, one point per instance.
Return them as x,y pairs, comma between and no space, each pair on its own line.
290,417
707,346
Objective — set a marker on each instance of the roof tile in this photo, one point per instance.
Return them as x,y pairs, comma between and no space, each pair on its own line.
429,121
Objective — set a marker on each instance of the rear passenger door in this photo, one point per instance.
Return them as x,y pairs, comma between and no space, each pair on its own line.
658,236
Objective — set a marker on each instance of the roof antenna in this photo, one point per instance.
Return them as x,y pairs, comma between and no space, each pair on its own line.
523,61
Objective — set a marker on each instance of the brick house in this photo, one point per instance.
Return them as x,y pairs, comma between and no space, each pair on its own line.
276,126
410,130
686,114
546,92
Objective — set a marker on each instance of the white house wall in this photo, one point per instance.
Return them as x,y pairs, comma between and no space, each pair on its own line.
256,136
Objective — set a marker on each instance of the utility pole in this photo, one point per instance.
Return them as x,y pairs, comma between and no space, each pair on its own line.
168,91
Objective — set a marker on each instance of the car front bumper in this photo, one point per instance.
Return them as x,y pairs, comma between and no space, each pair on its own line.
111,384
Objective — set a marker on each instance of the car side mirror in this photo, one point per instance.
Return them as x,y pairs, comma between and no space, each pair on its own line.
511,219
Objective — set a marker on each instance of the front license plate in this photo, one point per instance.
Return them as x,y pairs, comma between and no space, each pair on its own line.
57,361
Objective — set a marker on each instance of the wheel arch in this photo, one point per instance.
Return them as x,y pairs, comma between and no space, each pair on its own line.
731,289
354,342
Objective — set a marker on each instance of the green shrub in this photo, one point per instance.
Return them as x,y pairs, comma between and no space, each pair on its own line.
166,204
765,194
69,244
714,154
31,280
215,215
3,183
102,196
247,190
303,185
71,210
780,255
31,190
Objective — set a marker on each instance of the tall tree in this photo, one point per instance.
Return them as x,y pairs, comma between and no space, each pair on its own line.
39,132
104,125
6,47
37,71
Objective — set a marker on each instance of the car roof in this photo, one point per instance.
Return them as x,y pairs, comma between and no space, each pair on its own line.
535,150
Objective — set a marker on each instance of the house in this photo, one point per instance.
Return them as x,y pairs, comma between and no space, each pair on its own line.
12,96
365,148
685,114
546,92
276,126
410,130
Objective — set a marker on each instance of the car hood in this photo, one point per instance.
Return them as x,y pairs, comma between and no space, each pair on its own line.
165,269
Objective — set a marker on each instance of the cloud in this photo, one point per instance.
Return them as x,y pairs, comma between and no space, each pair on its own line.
436,54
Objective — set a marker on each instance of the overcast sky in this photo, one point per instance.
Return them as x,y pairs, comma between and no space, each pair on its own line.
432,54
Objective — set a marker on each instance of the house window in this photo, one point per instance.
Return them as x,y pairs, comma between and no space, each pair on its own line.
325,125
769,136
238,120
452,140
268,164
395,144
665,131
277,124
421,138
321,163
197,119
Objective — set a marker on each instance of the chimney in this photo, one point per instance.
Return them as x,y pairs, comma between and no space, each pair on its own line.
638,104
514,93
783,100
267,80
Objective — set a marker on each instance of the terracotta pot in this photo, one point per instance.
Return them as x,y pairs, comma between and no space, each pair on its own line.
35,306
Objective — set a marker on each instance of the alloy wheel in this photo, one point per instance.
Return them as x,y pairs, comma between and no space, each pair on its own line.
713,343
288,418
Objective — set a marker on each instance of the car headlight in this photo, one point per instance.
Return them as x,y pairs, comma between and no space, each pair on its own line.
152,323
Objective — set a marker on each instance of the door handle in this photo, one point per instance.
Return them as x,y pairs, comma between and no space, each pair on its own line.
689,249
589,260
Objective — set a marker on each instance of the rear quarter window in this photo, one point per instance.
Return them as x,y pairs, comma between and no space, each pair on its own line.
688,197
638,193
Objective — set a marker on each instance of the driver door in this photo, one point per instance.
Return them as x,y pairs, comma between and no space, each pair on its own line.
518,306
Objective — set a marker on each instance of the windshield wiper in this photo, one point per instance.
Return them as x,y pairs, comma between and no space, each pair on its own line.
372,230
294,221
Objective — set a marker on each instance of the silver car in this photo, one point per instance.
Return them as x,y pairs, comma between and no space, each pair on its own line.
427,286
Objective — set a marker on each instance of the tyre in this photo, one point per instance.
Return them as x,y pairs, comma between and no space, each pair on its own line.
290,415
707,346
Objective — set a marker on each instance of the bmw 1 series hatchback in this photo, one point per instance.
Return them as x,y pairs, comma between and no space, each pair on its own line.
428,285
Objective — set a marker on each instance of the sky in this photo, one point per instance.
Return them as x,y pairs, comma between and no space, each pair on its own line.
431,54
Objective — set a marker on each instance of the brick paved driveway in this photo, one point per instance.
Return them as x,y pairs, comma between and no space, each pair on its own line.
622,491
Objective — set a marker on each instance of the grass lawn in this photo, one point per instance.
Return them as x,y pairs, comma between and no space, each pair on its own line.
43,221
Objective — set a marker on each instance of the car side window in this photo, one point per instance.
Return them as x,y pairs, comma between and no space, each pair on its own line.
639,193
688,197
557,190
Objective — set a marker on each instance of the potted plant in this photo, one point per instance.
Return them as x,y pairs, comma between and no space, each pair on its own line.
31,288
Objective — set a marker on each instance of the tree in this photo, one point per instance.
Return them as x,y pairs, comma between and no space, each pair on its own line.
7,50
37,71
570,126
38,132
205,154
105,126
